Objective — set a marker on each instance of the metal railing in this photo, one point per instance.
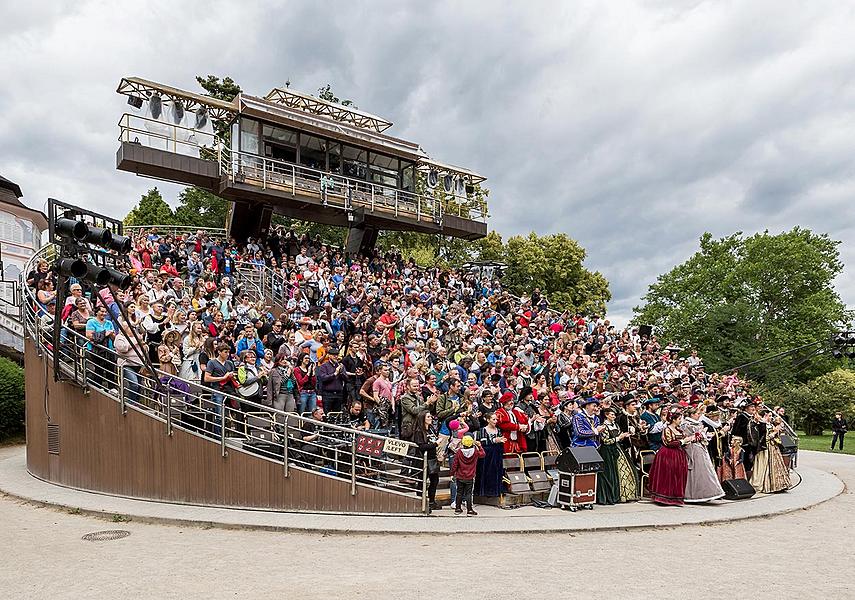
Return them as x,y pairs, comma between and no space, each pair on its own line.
261,282
154,133
331,189
234,422
175,230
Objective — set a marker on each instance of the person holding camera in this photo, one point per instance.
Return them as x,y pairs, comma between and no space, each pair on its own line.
839,427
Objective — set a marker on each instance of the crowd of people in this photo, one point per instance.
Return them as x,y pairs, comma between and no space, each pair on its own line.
446,359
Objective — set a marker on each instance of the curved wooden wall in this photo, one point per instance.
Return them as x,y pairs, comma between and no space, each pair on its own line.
131,455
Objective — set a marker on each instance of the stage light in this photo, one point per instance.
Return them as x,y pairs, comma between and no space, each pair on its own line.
120,243
97,275
432,178
448,183
98,236
121,280
461,186
69,228
837,353
155,106
470,189
201,118
850,354
71,267
135,101
177,112
840,339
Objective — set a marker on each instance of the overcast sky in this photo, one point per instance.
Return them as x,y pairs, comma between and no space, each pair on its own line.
633,127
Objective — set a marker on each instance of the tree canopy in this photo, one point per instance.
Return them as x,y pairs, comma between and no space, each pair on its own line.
813,404
196,208
152,209
739,299
225,89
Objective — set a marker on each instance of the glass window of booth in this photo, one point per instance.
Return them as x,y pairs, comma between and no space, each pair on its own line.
280,143
384,169
249,136
354,162
313,152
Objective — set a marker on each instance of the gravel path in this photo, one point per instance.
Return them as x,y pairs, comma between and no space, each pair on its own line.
807,554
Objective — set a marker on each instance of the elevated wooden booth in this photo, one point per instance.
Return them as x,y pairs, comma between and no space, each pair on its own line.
295,155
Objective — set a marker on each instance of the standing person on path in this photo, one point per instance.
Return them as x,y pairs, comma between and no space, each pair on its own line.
839,428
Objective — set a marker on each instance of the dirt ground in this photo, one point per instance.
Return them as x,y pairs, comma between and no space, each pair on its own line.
808,554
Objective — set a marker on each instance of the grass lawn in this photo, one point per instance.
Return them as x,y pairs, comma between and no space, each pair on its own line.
822,443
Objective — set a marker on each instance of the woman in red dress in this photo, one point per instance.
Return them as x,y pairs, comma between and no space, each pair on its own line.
670,468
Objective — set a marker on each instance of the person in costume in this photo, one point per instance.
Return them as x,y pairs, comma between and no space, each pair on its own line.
741,425
586,425
717,431
702,484
629,420
732,463
619,481
670,468
488,480
513,423
770,472
654,423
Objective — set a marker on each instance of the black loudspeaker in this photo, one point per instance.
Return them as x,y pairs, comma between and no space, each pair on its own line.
788,445
737,489
583,459
645,331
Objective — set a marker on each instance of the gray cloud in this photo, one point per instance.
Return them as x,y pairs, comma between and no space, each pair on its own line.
632,126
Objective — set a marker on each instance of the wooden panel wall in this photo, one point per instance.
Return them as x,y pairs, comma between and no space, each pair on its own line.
131,455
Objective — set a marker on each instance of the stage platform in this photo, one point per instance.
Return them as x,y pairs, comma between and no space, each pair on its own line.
818,485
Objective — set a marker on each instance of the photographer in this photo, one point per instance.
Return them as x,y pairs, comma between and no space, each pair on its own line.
839,428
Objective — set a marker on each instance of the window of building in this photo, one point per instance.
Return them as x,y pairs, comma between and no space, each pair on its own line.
354,162
313,152
384,169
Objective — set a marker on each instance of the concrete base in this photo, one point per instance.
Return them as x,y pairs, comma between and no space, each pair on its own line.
817,486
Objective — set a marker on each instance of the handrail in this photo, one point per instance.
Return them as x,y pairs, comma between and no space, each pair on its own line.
255,429
165,136
133,230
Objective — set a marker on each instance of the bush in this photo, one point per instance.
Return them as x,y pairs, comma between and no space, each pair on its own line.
11,399
814,403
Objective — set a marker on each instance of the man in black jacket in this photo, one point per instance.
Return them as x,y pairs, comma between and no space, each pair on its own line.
839,428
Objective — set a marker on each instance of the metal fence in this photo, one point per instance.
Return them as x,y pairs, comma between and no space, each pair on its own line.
234,422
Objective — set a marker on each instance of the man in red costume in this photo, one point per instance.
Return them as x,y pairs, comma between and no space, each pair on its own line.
513,423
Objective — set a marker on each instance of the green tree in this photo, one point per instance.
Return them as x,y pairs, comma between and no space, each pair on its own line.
225,89
813,404
326,93
553,263
491,248
11,399
152,209
740,299
330,234
200,208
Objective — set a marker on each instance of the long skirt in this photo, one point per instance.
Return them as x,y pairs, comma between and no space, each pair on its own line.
488,478
770,473
702,483
668,476
731,468
618,482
